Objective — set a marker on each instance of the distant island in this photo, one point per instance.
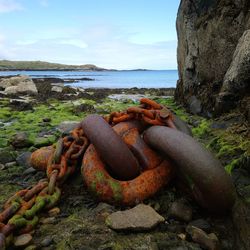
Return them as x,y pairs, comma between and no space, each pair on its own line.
6,65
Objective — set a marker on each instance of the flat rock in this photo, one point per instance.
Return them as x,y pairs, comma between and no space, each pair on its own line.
21,140
140,218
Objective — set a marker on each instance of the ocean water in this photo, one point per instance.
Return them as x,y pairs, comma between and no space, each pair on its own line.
110,79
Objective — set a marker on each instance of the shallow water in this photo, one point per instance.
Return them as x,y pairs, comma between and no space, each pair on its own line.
110,79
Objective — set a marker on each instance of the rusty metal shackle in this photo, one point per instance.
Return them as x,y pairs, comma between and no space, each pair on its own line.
211,186
111,148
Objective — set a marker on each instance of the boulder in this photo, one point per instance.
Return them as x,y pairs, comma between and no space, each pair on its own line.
19,84
213,53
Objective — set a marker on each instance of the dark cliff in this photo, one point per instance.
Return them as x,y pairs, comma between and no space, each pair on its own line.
214,55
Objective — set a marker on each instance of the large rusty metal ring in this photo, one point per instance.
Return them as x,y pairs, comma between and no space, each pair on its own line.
211,186
111,147
155,174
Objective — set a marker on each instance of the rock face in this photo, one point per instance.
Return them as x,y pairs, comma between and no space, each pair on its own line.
213,54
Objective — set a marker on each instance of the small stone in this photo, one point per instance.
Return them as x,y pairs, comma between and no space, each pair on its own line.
67,126
29,171
2,167
21,140
49,220
31,247
54,211
24,159
10,164
140,218
202,224
103,208
207,241
180,211
46,242
46,119
182,236
22,240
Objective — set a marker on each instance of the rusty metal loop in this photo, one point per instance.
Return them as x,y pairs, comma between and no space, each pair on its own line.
58,151
52,181
111,148
212,187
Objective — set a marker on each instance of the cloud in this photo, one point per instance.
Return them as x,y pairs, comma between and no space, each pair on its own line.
44,3
105,46
74,42
9,6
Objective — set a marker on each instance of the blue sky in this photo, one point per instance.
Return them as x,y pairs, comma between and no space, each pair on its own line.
121,34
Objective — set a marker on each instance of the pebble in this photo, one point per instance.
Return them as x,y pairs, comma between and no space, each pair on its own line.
182,236
54,211
180,211
207,241
202,224
49,220
140,218
21,140
46,119
10,164
46,242
31,247
29,171
22,240
2,167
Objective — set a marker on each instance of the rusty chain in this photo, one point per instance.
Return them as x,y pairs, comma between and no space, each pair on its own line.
21,211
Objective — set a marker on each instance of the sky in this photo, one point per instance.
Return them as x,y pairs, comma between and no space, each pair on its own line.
114,34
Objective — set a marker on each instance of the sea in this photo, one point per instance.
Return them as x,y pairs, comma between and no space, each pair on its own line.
110,79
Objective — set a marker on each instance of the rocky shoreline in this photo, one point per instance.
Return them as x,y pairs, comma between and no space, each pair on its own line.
38,116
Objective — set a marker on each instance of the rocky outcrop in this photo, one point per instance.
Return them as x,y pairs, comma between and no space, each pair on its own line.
18,85
213,54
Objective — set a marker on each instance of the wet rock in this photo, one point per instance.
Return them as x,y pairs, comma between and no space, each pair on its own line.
24,159
175,228
49,220
29,171
7,155
139,218
207,241
84,108
67,126
194,105
21,140
46,119
20,84
103,207
180,210
57,89
46,242
10,164
31,247
20,105
202,224
54,211
22,240
2,167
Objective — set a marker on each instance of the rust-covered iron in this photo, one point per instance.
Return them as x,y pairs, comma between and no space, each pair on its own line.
111,148
155,172
210,184
126,157
113,191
